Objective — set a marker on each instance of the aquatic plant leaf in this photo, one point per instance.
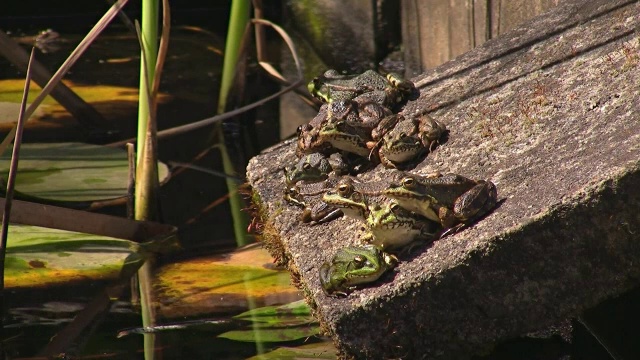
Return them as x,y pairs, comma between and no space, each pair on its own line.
272,334
212,284
319,350
292,314
39,257
111,101
276,323
67,172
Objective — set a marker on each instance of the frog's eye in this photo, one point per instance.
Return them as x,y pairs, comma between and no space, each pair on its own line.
306,166
392,78
359,261
344,188
403,135
408,182
394,207
302,128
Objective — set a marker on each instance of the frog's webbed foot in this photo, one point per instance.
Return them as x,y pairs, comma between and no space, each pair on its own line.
365,236
386,162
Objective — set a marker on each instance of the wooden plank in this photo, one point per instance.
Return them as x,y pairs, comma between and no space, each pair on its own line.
55,217
481,22
411,39
460,29
435,31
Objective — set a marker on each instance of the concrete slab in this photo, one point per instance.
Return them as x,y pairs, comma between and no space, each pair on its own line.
550,113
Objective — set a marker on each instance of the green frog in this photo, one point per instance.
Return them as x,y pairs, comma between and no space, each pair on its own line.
410,138
316,167
337,127
392,227
345,137
354,265
451,199
308,196
386,223
333,86
345,196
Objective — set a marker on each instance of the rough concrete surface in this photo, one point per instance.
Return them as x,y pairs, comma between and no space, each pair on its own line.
549,112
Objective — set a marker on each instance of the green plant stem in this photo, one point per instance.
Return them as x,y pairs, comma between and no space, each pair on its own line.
146,177
239,18
150,10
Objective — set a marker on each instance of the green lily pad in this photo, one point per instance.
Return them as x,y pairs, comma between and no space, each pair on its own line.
71,172
272,334
319,350
288,322
38,256
291,314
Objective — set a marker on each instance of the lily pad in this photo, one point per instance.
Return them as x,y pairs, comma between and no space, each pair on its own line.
291,314
71,172
288,322
221,283
319,350
38,256
272,334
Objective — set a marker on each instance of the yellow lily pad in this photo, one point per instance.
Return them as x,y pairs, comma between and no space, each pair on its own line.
221,283
39,257
111,101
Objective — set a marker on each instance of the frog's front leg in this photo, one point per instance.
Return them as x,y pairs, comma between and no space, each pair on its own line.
475,202
320,213
385,125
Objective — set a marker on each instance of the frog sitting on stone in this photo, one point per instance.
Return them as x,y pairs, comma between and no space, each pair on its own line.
308,196
405,142
386,224
451,199
387,91
315,167
352,266
354,113
336,127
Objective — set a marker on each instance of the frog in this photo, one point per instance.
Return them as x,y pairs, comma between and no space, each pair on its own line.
308,196
386,224
345,125
333,86
337,127
352,266
392,227
388,90
403,144
316,167
345,196
345,137
309,140
363,113
451,199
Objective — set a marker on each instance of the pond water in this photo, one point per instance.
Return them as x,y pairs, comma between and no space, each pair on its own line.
202,306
